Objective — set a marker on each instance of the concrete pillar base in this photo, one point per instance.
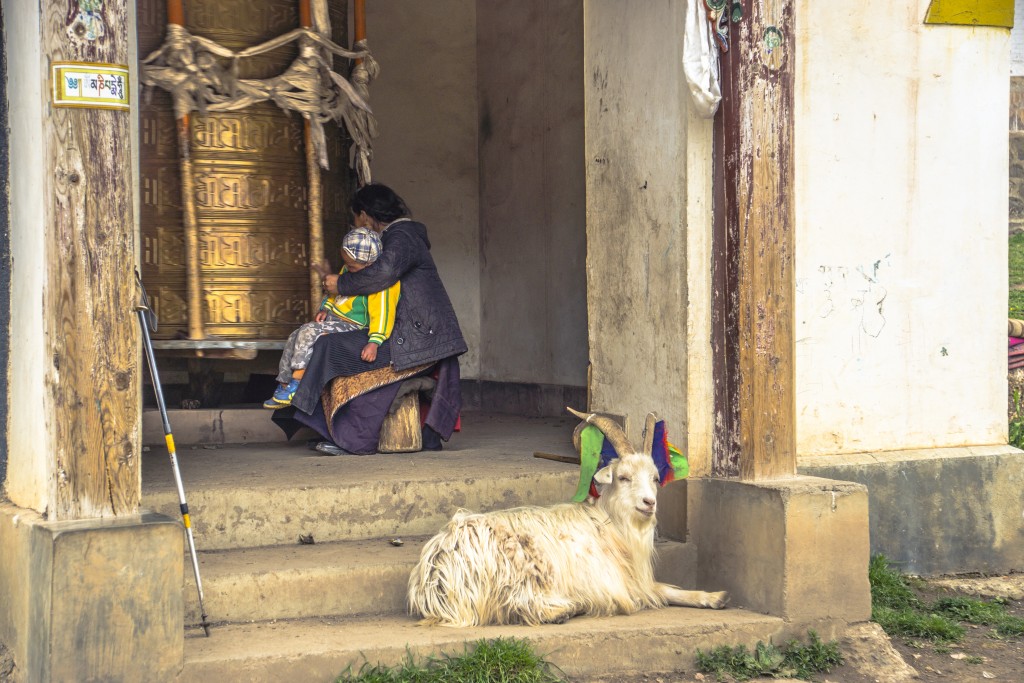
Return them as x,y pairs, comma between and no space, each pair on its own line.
91,599
796,548
939,510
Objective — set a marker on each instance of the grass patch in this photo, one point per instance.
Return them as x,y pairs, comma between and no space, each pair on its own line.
1016,271
503,660
971,610
794,660
1015,306
889,588
1016,422
896,608
912,623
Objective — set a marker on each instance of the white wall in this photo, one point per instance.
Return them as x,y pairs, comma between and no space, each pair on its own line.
636,160
532,192
425,103
901,253
28,432
1017,40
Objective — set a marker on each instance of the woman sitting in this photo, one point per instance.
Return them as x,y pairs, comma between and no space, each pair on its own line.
426,339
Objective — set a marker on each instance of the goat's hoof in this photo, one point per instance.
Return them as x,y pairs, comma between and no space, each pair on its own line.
718,600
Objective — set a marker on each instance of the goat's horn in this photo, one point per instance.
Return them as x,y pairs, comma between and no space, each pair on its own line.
652,420
610,428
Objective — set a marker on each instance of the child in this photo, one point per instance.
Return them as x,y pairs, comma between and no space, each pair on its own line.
373,312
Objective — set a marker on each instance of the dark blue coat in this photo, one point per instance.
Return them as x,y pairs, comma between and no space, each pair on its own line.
426,329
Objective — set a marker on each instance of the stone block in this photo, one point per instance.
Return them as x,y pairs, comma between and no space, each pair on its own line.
103,598
939,510
672,511
795,548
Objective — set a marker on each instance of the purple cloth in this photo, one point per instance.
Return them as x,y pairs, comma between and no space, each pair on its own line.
357,423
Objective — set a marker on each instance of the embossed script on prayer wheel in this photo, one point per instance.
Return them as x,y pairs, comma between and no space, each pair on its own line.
250,186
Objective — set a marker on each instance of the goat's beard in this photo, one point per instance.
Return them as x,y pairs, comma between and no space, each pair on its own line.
626,514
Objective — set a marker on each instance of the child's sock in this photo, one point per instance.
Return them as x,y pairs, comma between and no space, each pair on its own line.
297,374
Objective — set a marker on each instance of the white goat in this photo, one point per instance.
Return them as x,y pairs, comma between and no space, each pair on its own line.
537,565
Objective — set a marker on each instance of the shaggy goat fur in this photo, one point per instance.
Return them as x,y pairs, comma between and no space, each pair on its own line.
537,565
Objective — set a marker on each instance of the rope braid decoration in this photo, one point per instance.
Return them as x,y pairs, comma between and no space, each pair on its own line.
191,68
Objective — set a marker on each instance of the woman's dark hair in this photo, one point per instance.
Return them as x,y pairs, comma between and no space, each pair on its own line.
380,203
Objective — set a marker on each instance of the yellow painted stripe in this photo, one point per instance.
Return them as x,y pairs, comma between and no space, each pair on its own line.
971,12
188,522
170,442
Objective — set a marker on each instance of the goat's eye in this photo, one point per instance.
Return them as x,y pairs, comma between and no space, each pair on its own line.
623,477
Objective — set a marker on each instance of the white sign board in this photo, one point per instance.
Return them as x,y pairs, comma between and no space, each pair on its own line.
96,86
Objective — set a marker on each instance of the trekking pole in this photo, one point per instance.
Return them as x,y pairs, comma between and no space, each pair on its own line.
148,321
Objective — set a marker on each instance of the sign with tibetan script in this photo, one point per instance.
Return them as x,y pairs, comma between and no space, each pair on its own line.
96,86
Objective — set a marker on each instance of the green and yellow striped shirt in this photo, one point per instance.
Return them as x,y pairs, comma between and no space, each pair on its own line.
374,312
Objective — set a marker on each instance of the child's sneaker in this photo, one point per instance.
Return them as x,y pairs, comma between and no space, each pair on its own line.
283,396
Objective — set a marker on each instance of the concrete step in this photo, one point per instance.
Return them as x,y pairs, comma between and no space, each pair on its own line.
336,579
243,496
249,424
320,649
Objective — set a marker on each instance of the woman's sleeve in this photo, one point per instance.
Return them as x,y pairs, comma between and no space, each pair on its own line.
397,259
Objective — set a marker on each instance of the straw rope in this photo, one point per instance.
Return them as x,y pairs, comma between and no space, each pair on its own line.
190,68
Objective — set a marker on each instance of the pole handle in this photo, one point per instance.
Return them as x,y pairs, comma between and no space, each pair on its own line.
147,311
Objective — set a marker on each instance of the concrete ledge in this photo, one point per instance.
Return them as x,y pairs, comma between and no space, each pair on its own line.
583,648
216,426
794,548
521,398
343,579
939,510
92,599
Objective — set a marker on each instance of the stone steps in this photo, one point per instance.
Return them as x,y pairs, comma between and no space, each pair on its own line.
253,495
284,610
341,579
229,425
311,650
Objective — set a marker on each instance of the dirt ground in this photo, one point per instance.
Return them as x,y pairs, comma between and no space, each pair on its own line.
872,657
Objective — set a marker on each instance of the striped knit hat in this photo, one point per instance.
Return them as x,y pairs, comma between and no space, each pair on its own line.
363,245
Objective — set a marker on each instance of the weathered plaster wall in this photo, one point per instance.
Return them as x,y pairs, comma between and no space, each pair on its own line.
901,208
1016,217
28,434
1017,40
532,192
425,103
5,253
700,387
636,158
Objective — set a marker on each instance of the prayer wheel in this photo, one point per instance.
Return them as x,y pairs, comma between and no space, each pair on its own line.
251,187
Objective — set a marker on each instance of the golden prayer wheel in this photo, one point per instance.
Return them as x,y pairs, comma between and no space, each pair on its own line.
251,187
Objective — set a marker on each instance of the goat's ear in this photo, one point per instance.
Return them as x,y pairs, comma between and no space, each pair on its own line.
604,475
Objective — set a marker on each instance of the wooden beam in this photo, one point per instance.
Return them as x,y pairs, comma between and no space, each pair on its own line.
760,216
90,328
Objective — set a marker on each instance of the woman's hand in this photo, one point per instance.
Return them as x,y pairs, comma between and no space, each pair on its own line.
330,283
323,268
320,316
369,353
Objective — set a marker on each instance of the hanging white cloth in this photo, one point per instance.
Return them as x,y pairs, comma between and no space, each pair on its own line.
700,60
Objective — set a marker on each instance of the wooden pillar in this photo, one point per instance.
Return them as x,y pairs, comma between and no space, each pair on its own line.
757,117
74,371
